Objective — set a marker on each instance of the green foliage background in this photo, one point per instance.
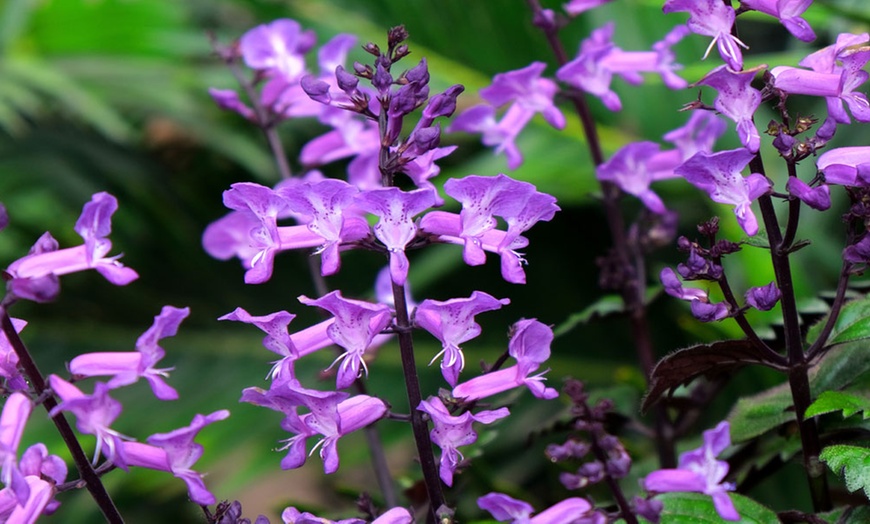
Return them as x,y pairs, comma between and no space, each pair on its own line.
111,95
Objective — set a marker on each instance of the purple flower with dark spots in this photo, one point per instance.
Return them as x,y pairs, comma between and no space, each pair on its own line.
450,432
699,471
719,175
452,322
712,18
356,325
737,100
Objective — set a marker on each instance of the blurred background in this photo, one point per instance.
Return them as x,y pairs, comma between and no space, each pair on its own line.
111,95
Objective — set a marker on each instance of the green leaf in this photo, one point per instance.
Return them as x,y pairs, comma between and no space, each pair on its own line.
697,508
852,324
850,462
603,307
831,401
758,414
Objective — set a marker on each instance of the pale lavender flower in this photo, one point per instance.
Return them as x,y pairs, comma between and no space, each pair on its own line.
719,175
818,197
846,166
576,7
530,347
333,414
449,432
635,166
527,93
699,471
396,228
16,411
40,495
94,416
698,134
229,100
278,47
483,199
36,462
788,12
712,18
9,360
176,453
574,510
452,322
763,298
48,262
737,100
127,367
598,59
356,325
423,168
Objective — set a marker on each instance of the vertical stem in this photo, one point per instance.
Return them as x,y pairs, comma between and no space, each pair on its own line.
633,288
797,363
412,385
86,470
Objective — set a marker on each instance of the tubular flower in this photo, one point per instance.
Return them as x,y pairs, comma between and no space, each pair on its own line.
737,100
530,347
574,510
699,471
788,12
176,452
34,277
126,367
712,18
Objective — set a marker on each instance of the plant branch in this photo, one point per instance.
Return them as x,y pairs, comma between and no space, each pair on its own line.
86,470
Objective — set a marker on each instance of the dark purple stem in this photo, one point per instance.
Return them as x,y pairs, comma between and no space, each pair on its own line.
798,365
86,470
633,289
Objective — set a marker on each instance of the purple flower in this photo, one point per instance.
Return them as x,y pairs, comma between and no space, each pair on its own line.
36,462
40,496
712,18
46,261
700,305
176,452
332,414
859,252
788,12
396,228
635,166
699,134
576,7
599,59
94,414
356,325
709,311
452,322
699,471
278,47
16,411
292,515
326,209
837,71
9,360
737,100
763,298
719,175
483,199
449,432
816,197
574,510
846,166
126,367
527,93
279,341
530,347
